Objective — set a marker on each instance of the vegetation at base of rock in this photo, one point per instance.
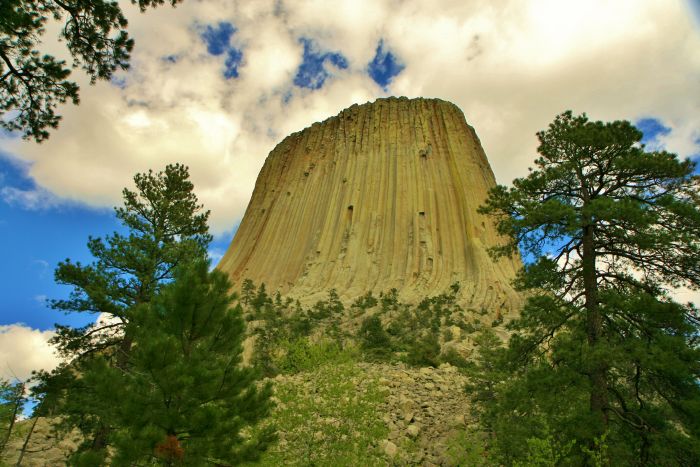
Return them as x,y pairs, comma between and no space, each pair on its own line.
384,328
602,366
303,355
375,340
327,415
468,447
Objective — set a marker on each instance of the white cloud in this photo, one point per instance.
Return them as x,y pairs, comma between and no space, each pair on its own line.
683,139
33,199
510,67
24,349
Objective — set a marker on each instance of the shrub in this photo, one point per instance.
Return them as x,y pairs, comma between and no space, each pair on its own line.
303,355
374,340
424,351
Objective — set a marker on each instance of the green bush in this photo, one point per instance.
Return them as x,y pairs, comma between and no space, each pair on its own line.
374,340
365,302
453,357
467,448
424,351
336,424
544,452
303,355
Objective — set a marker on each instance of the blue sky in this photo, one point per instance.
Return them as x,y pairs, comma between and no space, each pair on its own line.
218,39
36,237
317,64
314,69
652,129
384,66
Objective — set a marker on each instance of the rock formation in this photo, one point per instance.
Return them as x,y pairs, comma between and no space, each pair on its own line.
383,195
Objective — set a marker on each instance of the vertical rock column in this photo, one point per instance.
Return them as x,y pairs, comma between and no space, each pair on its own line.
383,195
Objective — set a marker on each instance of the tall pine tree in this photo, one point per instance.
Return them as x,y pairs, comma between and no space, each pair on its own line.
601,348
165,227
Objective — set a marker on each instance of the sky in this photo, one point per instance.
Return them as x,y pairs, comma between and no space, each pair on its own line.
216,84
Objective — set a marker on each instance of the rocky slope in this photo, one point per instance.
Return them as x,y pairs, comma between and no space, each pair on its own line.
351,413
371,414
383,195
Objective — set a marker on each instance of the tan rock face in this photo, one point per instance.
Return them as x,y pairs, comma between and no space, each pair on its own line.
383,195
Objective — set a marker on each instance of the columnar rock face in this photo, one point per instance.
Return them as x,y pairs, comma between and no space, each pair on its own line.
383,195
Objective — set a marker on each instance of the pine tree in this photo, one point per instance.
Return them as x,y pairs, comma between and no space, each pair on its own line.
374,340
166,229
601,348
12,401
185,398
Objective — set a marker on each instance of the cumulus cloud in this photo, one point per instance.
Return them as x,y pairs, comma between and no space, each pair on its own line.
23,350
511,66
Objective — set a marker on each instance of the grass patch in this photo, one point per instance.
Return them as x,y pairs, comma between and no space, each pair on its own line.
327,416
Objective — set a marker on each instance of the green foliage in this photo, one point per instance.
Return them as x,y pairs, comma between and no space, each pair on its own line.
466,447
544,452
12,402
374,340
411,333
600,347
389,300
327,417
33,84
261,302
486,370
424,351
454,358
326,308
598,456
415,329
166,230
303,355
365,301
282,329
247,292
185,393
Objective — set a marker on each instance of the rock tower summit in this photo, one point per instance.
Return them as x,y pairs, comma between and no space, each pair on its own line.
383,195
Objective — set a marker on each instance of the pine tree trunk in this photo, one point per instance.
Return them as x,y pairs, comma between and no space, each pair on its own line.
124,351
99,441
26,442
15,411
594,325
